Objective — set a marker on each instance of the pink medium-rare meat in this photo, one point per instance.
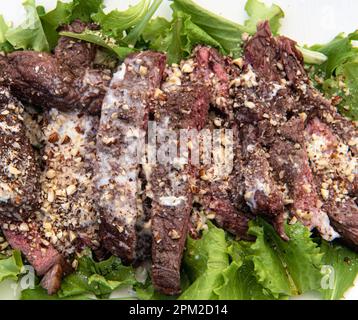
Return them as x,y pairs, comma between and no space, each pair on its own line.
274,58
122,126
26,237
19,170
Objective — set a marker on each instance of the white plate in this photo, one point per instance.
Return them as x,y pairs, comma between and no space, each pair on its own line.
306,21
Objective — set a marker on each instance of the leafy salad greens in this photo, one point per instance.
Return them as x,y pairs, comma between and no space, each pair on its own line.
215,266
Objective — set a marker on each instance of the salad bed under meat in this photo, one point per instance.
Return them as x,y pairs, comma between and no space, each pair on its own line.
82,203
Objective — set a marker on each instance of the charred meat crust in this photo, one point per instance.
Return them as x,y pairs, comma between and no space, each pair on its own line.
123,123
19,174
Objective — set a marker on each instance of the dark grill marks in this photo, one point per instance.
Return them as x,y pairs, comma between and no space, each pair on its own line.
185,107
120,136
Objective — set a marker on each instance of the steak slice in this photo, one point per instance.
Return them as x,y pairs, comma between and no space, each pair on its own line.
19,171
41,79
335,169
219,187
27,238
77,54
274,58
291,162
262,193
185,107
120,136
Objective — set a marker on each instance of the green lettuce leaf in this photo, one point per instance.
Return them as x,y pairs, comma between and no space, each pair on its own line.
137,31
224,31
240,282
84,9
55,18
30,34
116,22
100,39
155,29
11,267
204,262
38,293
340,72
341,269
97,278
285,268
4,44
258,12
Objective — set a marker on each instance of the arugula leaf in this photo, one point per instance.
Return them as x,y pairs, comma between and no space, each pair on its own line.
258,12
98,278
341,265
100,39
11,267
30,34
204,262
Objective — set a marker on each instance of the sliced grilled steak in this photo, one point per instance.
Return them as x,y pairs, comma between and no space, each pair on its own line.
43,80
277,108
122,127
78,55
274,59
170,181
335,169
291,163
19,170
219,188
263,194
46,260
213,70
